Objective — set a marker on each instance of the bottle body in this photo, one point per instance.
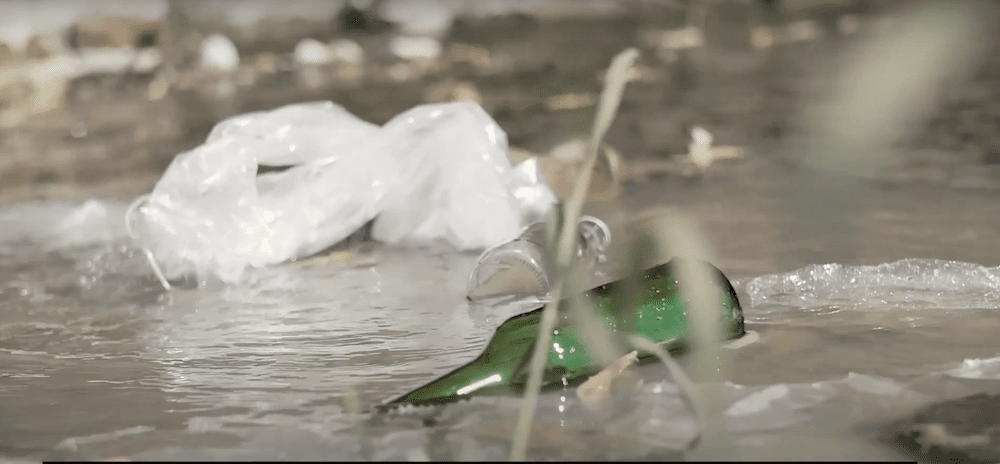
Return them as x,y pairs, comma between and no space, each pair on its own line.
522,267
659,314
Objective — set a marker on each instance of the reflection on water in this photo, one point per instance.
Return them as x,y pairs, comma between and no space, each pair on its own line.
96,361
299,336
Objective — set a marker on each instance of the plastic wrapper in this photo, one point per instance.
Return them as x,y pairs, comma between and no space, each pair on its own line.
295,134
434,172
212,214
453,159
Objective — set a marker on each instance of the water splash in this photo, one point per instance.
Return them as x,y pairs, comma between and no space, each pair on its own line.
978,369
906,284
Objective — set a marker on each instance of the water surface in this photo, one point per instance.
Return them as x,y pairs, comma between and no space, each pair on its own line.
862,301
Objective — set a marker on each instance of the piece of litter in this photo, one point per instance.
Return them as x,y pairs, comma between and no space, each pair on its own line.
347,51
570,101
703,154
212,214
595,390
339,258
218,53
454,159
312,52
700,147
412,48
435,172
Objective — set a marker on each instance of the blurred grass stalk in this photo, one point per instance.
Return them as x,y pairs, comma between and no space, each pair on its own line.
352,404
695,284
681,239
887,89
614,85
880,97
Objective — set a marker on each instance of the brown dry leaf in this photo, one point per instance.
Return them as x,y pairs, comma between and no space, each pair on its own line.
722,152
597,388
570,101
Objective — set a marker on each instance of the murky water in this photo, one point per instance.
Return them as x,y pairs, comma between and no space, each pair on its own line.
96,361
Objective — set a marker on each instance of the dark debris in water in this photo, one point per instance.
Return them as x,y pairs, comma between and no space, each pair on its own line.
962,430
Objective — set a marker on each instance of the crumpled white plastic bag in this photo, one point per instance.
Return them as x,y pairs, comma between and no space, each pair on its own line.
534,196
453,158
434,172
210,213
295,134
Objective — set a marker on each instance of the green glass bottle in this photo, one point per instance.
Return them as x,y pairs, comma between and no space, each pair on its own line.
502,368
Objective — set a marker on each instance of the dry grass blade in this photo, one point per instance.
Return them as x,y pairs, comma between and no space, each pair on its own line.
352,403
596,390
611,96
880,95
695,281
608,106
141,200
694,401
600,341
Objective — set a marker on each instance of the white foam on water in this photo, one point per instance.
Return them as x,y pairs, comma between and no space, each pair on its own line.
913,283
60,225
979,369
